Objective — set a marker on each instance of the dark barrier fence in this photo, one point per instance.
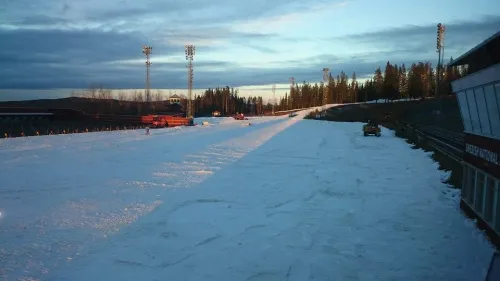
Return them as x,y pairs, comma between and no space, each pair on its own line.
19,122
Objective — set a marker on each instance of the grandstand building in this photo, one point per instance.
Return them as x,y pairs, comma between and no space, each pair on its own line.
478,95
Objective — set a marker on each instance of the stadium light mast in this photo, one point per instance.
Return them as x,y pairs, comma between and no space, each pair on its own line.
274,96
146,50
440,51
190,52
292,87
326,76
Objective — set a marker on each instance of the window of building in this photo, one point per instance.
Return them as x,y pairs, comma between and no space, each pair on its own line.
489,199
497,211
472,184
493,110
468,184
482,111
474,116
464,110
465,180
497,90
479,192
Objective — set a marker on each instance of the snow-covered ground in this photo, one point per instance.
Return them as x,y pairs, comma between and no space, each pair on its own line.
372,101
215,120
282,199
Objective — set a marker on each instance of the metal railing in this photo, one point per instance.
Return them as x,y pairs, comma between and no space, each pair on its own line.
450,137
445,141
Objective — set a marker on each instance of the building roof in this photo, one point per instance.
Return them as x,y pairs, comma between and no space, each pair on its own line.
468,56
175,97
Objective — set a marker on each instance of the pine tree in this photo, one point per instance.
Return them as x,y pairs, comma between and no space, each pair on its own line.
395,82
403,82
379,84
354,88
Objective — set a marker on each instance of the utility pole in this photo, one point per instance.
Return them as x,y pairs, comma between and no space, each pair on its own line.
190,51
146,50
274,96
326,76
292,87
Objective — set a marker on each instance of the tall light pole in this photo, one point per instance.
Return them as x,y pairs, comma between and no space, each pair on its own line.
274,96
292,87
326,76
440,51
146,50
190,51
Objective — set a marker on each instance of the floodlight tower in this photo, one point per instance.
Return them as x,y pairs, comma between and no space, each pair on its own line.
146,50
292,87
274,96
440,51
326,76
190,51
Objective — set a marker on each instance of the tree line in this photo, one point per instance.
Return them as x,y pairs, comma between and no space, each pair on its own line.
226,100
392,83
419,81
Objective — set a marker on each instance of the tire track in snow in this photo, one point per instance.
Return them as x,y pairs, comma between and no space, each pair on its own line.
67,232
195,168
192,170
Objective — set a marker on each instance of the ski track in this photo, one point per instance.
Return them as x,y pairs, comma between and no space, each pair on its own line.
53,239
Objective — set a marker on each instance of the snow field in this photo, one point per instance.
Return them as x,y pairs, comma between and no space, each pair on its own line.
286,199
64,193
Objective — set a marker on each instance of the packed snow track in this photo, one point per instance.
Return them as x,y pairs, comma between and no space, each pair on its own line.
281,199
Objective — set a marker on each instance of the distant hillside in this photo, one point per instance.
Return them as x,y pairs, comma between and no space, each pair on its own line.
102,106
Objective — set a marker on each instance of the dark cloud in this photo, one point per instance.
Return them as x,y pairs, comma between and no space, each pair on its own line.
69,47
58,58
40,20
211,34
32,58
178,12
206,10
171,75
41,76
41,59
456,29
420,41
262,49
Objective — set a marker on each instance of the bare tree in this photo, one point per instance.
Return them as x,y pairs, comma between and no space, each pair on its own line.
124,99
121,96
158,96
101,93
92,92
138,99
108,95
140,96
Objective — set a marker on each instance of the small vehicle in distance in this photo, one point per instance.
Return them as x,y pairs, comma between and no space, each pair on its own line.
371,128
240,117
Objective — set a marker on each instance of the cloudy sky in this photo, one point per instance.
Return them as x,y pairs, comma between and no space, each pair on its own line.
68,44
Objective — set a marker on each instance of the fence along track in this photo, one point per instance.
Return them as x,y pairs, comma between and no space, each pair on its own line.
447,142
